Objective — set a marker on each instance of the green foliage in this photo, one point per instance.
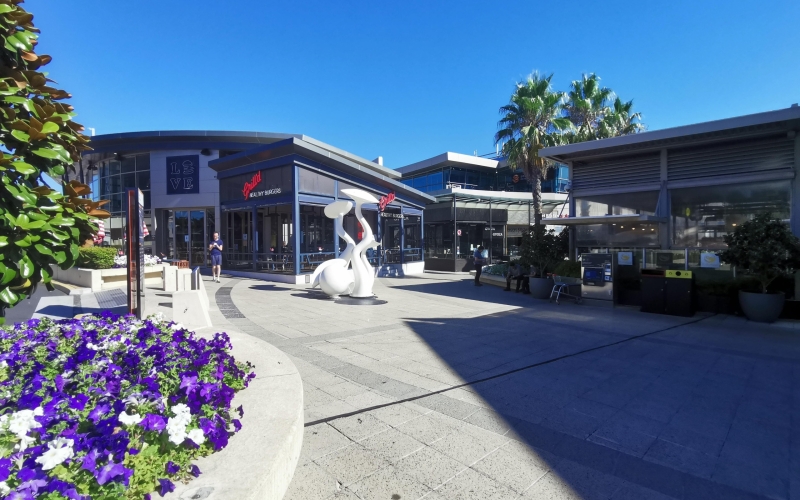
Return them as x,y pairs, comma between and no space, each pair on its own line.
763,247
97,257
596,113
543,249
39,227
568,269
496,270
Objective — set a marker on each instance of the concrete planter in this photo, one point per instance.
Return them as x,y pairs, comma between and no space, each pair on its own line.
105,279
541,287
762,307
259,461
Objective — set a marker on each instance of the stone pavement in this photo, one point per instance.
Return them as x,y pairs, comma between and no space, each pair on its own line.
450,391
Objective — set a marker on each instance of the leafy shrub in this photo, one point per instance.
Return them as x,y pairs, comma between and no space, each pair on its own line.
97,257
568,269
763,247
543,249
496,269
111,407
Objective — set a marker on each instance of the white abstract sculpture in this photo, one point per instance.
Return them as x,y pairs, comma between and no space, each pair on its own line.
333,276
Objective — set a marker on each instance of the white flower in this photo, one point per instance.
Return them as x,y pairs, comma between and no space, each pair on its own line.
176,426
3,364
177,326
4,489
24,441
93,347
58,451
197,436
126,419
181,409
23,421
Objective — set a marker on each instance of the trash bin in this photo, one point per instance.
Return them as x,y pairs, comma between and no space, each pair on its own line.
679,293
653,298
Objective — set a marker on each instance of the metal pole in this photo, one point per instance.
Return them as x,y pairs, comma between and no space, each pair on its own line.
491,232
296,220
455,232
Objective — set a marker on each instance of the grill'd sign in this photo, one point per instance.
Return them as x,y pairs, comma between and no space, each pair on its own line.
249,190
385,200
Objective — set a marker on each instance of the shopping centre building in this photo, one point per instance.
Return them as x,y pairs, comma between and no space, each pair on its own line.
670,196
264,193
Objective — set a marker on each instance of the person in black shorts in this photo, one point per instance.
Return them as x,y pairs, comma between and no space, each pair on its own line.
216,257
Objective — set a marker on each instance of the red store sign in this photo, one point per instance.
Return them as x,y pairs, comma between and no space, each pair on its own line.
250,185
385,200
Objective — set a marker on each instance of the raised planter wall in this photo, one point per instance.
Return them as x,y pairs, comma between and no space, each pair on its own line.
105,279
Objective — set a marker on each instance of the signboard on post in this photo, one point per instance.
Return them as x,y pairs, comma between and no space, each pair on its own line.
134,203
183,174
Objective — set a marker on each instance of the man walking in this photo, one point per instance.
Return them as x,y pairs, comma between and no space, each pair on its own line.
477,257
216,257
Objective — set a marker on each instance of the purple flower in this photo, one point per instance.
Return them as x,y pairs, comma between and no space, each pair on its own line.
167,486
189,382
195,470
78,401
90,461
5,467
112,471
172,468
98,412
153,422
241,411
237,425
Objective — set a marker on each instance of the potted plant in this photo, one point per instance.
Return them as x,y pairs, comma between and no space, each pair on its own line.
542,249
765,249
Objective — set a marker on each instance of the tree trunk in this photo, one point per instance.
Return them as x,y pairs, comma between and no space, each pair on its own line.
537,200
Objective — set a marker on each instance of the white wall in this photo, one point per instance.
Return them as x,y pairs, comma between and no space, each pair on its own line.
209,185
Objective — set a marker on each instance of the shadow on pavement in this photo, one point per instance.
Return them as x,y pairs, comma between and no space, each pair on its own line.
664,411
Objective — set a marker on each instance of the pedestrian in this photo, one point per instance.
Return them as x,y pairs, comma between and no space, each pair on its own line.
479,262
515,273
216,257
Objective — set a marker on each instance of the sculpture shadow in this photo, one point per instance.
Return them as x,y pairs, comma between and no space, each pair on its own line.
610,412
270,288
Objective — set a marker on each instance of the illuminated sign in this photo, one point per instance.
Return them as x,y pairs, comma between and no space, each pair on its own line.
385,200
249,189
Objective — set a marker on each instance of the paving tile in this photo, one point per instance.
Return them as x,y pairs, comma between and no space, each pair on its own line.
552,487
321,440
358,427
681,458
310,481
396,414
512,467
468,448
368,399
430,467
344,389
628,432
391,445
754,480
389,484
351,463
489,420
448,406
471,485
426,429
328,410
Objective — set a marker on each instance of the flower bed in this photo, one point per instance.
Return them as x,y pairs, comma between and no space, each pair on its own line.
149,260
110,407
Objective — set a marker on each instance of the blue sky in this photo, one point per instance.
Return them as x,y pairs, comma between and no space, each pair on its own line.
412,79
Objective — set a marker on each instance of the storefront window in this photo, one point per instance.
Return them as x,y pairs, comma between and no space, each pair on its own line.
643,203
274,239
439,240
317,238
391,235
634,234
413,240
701,217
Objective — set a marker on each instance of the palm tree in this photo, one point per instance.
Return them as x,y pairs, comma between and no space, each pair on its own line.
532,120
619,120
586,106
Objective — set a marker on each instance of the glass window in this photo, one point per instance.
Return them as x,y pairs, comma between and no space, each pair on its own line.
143,180
702,216
116,203
128,181
116,184
435,181
314,183
421,182
113,167
457,176
472,180
142,162
413,238
146,199
633,234
408,182
643,203
128,164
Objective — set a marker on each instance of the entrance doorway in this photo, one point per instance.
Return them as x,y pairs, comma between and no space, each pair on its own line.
193,230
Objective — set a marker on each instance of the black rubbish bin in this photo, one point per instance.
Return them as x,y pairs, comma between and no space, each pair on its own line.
679,293
653,291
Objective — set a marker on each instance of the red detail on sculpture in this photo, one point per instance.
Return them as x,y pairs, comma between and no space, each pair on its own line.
385,200
250,185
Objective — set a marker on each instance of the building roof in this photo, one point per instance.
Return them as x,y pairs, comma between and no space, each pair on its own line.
447,159
499,197
313,151
759,124
214,139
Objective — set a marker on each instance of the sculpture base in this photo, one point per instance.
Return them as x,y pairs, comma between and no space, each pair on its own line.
360,301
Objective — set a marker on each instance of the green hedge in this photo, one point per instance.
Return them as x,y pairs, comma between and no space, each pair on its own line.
568,269
97,257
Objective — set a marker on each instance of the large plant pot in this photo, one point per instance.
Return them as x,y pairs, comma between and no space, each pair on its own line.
761,307
541,287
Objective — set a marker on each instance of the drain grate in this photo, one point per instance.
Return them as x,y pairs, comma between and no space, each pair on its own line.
111,299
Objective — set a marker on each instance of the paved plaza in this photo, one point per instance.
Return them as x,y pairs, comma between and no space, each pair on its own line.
450,391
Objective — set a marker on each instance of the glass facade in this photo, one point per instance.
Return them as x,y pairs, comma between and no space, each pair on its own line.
505,179
643,203
109,180
702,216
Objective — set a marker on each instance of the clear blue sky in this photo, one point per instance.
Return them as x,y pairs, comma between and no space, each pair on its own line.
407,80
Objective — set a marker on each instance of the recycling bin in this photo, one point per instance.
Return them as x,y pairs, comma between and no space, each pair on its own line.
679,293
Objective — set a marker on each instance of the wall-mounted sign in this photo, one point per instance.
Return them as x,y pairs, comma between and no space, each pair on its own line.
709,260
625,258
385,200
183,174
251,189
